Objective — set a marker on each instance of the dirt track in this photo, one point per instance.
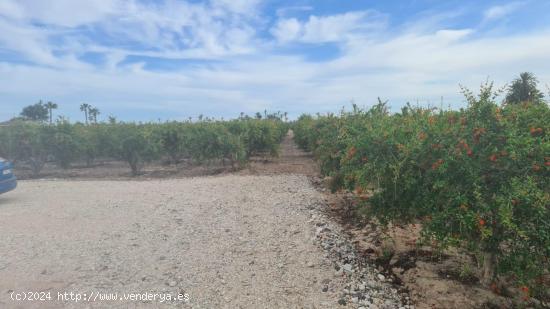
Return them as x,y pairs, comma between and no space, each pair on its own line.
231,241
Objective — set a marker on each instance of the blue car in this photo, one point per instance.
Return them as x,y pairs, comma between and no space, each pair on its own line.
8,181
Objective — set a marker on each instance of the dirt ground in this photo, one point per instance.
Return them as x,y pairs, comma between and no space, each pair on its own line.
118,170
228,242
292,160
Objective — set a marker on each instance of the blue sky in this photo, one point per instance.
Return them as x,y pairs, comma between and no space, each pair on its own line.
172,59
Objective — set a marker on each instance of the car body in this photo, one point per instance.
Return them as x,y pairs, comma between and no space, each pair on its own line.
8,181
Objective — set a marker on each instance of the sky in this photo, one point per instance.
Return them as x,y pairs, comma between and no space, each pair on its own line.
149,60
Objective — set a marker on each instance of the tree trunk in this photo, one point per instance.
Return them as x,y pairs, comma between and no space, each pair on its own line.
36,166
488,268
134,165
135,169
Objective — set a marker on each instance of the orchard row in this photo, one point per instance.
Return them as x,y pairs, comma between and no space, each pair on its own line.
478,178
202,142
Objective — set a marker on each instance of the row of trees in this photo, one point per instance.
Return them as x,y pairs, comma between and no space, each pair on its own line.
478,178
39,111
42,112
90,113
35,143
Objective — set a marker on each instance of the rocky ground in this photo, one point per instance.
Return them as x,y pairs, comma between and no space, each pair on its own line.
365,286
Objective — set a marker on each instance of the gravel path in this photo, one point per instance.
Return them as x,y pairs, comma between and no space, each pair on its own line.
233,241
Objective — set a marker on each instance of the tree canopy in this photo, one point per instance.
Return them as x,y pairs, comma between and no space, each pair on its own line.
524,89
36,112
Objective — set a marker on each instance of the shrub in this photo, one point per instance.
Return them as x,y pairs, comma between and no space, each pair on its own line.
133,144
24,141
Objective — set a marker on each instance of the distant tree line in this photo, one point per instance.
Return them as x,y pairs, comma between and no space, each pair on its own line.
522,89
43,112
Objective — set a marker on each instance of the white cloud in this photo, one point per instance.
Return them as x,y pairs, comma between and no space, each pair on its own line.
500,11
451,59
28,41
451,35
335,28
10,8
238,6
65,13
287,30
172,29
324,29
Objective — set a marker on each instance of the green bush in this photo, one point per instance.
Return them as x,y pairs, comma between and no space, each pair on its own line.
173,140
134,145
63,143
28,142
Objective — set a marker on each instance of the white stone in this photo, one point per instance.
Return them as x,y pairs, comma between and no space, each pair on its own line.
347,267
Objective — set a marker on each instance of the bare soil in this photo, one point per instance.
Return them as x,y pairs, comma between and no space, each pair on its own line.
118,170
292,160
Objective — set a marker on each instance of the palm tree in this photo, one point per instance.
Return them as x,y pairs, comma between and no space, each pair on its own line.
51,106
85,107
94,112
524,89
